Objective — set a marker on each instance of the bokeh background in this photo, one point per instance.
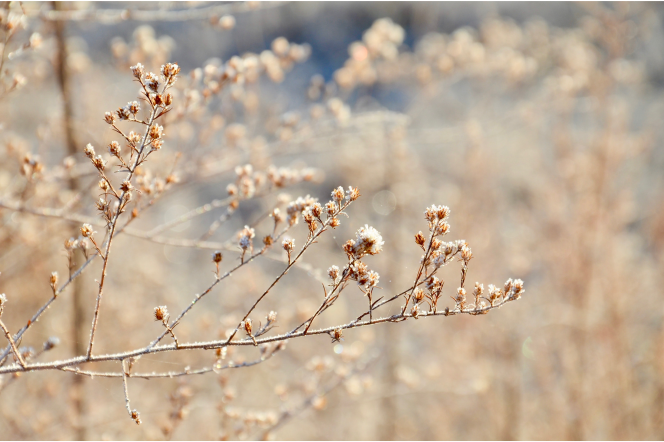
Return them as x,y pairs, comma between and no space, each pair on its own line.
538,124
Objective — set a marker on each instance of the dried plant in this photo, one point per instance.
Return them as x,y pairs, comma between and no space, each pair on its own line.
116,199
155,239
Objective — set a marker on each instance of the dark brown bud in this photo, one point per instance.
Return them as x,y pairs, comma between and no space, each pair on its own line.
420,239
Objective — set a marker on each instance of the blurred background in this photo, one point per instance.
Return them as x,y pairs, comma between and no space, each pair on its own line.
538,124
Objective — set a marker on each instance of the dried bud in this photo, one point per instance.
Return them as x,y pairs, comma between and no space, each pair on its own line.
161,313
53,341
86,230
461,295
168,100
333,273
126,186
103,185
71,244
109,117
268,240
247,326
348,247
352,193
442,228
338,195
277,215
152,81
54,279
133,107
518,285
170,70
158,100
27,352
317,210
420,239
135,415
337,334
114,148
217,257
288,244
3,300
466,254
138,70
508,285
99,162
89,151
272,317
334,223
156,131
330,208
123,113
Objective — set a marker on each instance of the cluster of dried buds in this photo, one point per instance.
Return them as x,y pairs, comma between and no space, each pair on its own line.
249,67
437,254
154,88
380,42
31,166
249,182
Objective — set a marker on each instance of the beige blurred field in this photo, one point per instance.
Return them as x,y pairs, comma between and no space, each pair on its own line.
539,125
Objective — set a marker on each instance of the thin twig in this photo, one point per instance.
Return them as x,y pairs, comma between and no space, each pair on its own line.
399,317
111,16
17,353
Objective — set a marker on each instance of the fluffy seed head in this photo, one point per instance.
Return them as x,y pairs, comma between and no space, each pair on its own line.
368,241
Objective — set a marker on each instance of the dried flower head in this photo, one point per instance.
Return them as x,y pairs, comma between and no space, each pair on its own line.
89,151
338,195
367,241
352,193
138,70
86,230
114,148
217,257
333,273
246,236
288,244
170,70
161,313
